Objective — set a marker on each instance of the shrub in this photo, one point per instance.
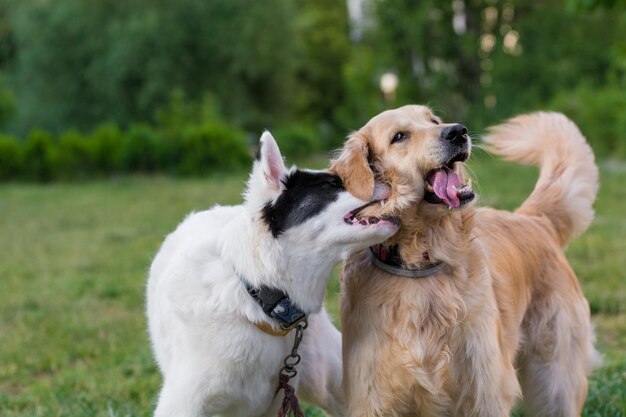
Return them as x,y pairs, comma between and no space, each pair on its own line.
139,150
180,112
10,159
75,155
192,150
40,156
212,146
297,140
106,145
175,118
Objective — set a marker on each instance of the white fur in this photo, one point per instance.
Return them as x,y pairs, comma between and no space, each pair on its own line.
214,360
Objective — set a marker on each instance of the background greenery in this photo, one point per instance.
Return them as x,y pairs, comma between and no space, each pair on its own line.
168,76
98,96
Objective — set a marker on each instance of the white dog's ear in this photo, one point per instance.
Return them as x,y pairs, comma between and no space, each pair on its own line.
271,162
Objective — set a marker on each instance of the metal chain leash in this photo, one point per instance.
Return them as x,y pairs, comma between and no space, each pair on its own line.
293,359
290,404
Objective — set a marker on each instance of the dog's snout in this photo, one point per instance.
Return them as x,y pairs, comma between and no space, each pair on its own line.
455,133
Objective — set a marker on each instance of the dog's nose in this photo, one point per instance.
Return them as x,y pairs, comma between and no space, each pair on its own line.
455,133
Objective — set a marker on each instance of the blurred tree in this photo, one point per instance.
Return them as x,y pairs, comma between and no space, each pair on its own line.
76,63
586,5
7,54
437,61
7,104
560,51
432,46
363,96
483,60
324,51
81,62
618,9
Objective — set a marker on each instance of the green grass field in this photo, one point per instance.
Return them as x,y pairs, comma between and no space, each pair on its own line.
73,266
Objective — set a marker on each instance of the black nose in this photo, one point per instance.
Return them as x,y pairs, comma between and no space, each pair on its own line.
455,134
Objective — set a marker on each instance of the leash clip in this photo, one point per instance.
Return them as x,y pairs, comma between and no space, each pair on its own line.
294,358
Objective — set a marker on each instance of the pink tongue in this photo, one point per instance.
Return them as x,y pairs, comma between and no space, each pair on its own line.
445,183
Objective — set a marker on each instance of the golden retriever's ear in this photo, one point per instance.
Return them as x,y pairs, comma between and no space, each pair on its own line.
353,167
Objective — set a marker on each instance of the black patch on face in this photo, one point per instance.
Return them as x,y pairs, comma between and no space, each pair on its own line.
306,194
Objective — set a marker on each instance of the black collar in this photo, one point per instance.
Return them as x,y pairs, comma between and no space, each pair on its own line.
389,260
276,304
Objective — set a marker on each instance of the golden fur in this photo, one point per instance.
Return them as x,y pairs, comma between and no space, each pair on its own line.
507,299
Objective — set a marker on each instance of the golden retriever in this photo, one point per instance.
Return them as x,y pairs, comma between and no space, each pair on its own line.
502,313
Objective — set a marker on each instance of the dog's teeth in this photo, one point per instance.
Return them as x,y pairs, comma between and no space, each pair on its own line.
469,183
382,203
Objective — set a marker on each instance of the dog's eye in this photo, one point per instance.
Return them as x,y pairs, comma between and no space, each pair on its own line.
434,121
399,136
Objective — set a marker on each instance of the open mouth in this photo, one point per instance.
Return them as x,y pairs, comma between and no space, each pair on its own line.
353,218
443,185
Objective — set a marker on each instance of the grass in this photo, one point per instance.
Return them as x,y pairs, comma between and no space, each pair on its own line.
73,269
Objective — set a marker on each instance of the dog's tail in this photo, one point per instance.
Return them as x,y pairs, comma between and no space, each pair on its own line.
568,179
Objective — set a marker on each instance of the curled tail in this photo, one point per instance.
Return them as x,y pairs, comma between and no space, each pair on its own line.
568,178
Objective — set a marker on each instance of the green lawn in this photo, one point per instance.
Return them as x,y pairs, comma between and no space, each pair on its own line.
73,267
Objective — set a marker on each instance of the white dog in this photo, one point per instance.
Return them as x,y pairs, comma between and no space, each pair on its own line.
217,344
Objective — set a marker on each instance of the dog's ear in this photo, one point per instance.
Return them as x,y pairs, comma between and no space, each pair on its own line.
271,162
353,166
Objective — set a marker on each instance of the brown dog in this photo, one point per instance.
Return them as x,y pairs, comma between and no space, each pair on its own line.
499,294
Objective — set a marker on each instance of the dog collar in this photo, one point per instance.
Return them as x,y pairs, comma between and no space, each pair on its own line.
278,306
388,259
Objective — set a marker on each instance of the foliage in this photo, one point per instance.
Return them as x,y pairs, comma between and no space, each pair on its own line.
10,158
75,155
297,140
39,155
197,149
212,147
325,49
106,142
158,68
363,97
7,102
140,149
67,73
434,63
180,112
505,57
584,5
545,69
189,138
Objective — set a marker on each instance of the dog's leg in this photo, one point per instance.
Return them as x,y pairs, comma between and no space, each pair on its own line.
321,368
176,401
484,370
556,358
183,393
